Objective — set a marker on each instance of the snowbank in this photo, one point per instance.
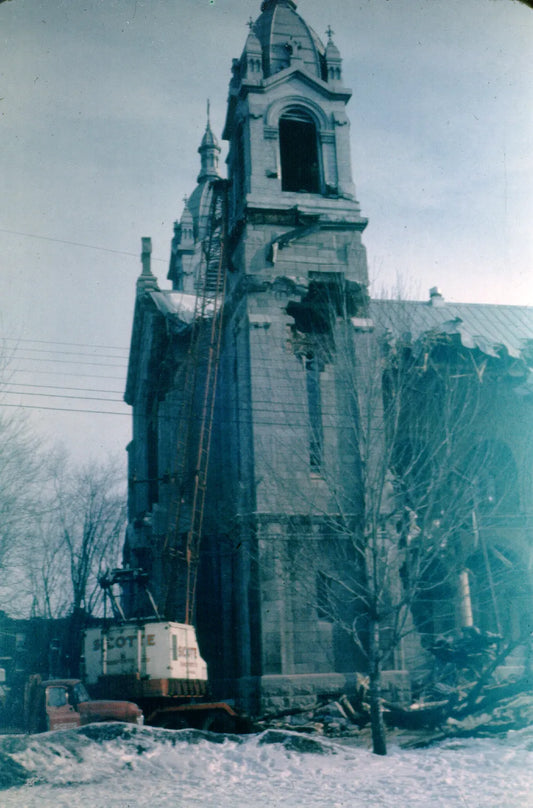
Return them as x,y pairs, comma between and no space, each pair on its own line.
122,766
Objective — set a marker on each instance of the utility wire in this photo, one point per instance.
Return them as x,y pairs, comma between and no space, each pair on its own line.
68,361
56,395
69,344
59,387
67,353
74,244
242,422
63,373
65,409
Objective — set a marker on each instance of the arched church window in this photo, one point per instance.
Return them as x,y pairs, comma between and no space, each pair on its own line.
298,143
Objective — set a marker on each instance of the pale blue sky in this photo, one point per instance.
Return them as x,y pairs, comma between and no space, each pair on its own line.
103,107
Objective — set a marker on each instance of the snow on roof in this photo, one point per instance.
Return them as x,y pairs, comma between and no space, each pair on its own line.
181,305
486,327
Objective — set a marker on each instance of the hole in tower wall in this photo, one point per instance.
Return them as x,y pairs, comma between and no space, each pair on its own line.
300,167
328,296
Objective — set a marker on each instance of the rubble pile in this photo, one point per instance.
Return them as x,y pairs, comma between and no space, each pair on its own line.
465,697
333,719
347,717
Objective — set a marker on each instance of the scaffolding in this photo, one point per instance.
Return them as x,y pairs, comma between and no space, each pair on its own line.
198,376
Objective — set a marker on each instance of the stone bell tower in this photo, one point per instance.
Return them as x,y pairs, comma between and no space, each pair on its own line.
296,269
289,142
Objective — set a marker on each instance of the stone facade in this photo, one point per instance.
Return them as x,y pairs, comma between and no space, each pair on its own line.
295,285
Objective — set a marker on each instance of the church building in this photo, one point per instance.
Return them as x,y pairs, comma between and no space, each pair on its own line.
248,376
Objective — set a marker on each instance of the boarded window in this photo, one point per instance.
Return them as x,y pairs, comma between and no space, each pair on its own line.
324,605
300,168
314,402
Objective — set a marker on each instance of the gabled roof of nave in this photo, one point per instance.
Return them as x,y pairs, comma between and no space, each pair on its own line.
489,328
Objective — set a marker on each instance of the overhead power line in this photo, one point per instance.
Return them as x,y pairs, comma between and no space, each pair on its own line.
68,361
63,387
74,243
56,395
65,409
92,354
69,344
63,373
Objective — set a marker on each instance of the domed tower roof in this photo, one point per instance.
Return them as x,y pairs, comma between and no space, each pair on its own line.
199,206
284,34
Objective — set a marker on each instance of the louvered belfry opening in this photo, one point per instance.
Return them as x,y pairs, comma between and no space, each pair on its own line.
300,166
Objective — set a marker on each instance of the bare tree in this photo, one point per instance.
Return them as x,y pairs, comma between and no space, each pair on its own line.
399,498
88,518
21,464
413,412
21,455
19,468
75,537
45,590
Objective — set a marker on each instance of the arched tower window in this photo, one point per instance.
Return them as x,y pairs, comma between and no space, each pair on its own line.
298,143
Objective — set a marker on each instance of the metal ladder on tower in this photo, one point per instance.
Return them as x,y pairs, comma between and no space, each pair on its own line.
199,384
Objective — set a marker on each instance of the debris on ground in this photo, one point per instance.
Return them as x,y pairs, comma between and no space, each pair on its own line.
463,699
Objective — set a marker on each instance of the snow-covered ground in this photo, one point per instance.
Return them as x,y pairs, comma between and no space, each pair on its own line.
119,766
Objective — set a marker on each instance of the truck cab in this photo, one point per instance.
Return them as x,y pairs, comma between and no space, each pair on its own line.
64,704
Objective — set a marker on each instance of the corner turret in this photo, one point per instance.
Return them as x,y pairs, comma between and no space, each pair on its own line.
181,249
333,60
251,64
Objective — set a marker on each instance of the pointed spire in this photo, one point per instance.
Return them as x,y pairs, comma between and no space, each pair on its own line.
209,151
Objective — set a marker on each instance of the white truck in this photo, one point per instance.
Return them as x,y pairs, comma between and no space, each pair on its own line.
156,664
153,652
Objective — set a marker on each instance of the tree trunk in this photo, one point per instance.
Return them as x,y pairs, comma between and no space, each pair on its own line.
379,741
